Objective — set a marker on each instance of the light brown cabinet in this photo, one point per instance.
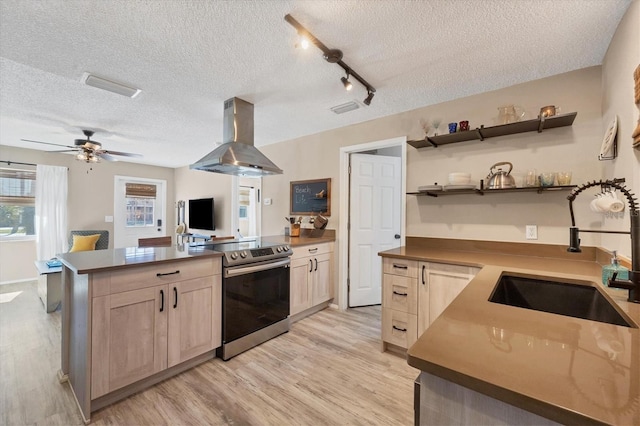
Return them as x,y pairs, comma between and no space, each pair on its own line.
194,318
311,283
129,338
399,302
438,285
414,294
138,333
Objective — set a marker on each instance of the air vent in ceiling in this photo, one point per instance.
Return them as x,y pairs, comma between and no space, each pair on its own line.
349,106
108,85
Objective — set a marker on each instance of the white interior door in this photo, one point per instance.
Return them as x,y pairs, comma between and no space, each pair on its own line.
375,223
138,215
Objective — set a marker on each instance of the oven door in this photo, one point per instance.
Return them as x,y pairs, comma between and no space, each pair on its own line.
253,297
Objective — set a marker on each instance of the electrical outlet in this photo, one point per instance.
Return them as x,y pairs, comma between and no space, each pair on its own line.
267,201
531,232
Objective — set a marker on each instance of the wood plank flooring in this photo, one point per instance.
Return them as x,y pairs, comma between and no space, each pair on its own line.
327,370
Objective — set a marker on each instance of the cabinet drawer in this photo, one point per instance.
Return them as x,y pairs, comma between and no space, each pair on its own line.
399,328
399,293
159,273
402,267
311,250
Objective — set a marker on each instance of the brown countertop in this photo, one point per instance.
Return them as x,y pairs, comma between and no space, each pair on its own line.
567,369
307,237
85,262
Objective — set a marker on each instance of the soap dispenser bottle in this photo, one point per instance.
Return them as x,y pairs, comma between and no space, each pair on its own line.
614,266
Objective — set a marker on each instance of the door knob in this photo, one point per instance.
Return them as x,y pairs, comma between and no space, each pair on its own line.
397,236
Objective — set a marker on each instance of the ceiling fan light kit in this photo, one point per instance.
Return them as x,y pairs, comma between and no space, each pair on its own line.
333,56
109,85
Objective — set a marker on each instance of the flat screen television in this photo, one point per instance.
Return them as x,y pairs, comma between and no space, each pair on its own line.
201,214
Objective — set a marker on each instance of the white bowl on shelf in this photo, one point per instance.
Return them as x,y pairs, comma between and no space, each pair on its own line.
459,178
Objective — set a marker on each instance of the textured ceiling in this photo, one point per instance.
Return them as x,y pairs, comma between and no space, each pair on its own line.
189,56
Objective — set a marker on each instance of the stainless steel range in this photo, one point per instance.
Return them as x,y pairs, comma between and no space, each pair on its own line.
255,294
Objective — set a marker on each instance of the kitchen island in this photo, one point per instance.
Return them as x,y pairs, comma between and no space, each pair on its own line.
132,317
489,362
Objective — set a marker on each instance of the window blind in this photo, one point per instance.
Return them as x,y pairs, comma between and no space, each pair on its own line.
140,190
17,187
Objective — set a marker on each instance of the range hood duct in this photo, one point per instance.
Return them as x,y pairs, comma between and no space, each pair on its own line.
237,155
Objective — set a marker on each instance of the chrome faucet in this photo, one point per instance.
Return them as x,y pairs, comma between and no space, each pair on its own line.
633,283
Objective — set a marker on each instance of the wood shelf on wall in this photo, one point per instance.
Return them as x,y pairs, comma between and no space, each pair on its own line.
477,191
482,133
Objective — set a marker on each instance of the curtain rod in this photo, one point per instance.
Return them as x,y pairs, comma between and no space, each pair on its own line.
17,162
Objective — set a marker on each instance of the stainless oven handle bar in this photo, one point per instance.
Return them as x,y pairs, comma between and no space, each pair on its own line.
241,270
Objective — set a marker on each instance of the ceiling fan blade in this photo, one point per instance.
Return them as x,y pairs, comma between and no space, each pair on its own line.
124,154
103,155
47,143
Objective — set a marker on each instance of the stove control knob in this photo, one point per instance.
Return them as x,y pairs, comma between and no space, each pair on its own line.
285,248
233,255
278,249
243,254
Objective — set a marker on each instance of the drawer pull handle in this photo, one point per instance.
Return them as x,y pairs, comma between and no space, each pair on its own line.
167,273
399,329
400,294
313,250
397,266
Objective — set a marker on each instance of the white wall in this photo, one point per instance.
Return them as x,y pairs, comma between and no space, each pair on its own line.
621,59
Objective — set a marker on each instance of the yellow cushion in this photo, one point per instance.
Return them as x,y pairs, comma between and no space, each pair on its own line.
84,242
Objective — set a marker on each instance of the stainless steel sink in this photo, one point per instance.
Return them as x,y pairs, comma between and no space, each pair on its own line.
578,301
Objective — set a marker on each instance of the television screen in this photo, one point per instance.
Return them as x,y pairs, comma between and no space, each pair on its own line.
201,214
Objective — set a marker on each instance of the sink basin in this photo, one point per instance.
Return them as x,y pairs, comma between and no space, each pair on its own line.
578,301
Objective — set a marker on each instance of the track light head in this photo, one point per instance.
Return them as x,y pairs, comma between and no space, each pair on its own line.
369,97
347,83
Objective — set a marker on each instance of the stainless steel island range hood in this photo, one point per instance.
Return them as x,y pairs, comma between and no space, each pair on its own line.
237,155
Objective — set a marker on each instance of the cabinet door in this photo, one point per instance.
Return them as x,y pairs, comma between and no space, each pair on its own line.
438,285
194,318
299,290
129,338
322,284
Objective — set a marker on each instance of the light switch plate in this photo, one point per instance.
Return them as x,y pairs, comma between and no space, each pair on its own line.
267,201
108,218
531,232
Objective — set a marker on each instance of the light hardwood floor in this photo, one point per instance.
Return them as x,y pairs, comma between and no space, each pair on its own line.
327,370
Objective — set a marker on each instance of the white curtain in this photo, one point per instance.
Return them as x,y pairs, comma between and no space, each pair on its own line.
51,211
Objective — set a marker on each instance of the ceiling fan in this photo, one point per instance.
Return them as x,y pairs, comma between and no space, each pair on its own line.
88,150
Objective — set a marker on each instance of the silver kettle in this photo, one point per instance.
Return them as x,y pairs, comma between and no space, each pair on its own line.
500,179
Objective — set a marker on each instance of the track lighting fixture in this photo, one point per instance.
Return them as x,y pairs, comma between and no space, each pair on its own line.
367,100
333,56
346,82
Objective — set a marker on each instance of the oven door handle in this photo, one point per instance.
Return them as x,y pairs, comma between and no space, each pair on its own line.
241,270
